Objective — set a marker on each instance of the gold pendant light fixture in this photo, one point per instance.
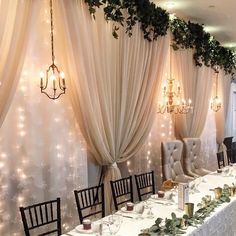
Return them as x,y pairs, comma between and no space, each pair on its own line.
215,101
172,102
53,84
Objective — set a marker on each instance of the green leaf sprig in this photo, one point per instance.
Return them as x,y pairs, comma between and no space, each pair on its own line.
177,226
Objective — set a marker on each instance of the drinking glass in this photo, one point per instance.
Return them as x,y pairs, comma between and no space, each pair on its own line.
97,228
197,183
114,223
139,209
226,171
147,205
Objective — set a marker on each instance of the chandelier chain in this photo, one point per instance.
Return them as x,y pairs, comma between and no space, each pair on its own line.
217,73
52,37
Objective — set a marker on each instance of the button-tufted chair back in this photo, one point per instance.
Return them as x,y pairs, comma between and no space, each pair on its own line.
171,161
192,160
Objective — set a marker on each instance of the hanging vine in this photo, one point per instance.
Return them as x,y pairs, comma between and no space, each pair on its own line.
155,21
208,50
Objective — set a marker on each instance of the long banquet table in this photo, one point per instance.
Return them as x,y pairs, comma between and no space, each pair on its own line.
222,221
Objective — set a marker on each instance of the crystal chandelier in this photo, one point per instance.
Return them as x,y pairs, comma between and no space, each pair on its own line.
215,101
171,95
53,84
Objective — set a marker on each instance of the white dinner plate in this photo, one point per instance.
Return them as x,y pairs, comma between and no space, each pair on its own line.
155,197
123,209
80,229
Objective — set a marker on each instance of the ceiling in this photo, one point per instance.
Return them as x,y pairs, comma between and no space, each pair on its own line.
218,16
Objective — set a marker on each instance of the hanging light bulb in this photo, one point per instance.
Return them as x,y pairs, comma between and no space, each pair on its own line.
53,83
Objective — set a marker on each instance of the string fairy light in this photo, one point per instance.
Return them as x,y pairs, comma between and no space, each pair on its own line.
25,166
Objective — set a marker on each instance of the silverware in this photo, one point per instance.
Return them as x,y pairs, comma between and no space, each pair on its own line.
124,216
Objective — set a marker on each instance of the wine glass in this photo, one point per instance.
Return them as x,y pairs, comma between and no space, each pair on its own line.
197,183
139,209
226,171
97,228
114,223
147,206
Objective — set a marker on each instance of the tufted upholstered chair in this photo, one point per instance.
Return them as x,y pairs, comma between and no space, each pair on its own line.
192,161
171,161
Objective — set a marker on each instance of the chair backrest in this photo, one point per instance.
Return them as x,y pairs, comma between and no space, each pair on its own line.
42,214
145,184
192,147
233,159
220,159
228,143
171,159
90,202
122,191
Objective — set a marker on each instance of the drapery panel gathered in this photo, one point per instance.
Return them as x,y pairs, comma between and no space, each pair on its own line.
14,28
197,84
230,129
113,85
221,116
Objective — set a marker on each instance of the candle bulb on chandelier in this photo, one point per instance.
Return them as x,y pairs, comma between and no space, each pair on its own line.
178,86
63,79
53,78
41,79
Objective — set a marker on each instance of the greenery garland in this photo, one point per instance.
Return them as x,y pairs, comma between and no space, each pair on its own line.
207,49
177,226
155,22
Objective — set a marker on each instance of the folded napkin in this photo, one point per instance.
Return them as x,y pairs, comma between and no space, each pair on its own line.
72,233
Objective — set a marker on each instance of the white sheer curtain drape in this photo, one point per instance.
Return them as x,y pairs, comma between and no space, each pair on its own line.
197,84
230,129
221,116
113,86
14,29
42,152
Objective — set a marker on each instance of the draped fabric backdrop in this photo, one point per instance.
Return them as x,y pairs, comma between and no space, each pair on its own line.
113,87
224,83
14,29
111,93
42,151
230,128
197,84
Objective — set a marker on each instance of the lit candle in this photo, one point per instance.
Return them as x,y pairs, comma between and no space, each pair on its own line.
41,79
63,79
53,78
178,86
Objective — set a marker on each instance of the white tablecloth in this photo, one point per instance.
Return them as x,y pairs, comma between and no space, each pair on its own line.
222,222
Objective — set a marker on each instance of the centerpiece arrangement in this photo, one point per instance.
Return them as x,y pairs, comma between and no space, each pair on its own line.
178,225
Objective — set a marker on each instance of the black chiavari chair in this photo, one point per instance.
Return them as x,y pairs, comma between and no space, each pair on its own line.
145,184
228,143
220,159
90,202
122,191
40,215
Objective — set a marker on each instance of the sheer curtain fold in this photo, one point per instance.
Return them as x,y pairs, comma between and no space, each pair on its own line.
113,85
221,116
197,84
14,29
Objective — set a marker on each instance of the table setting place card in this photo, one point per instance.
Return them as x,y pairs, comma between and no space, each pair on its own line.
183,195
